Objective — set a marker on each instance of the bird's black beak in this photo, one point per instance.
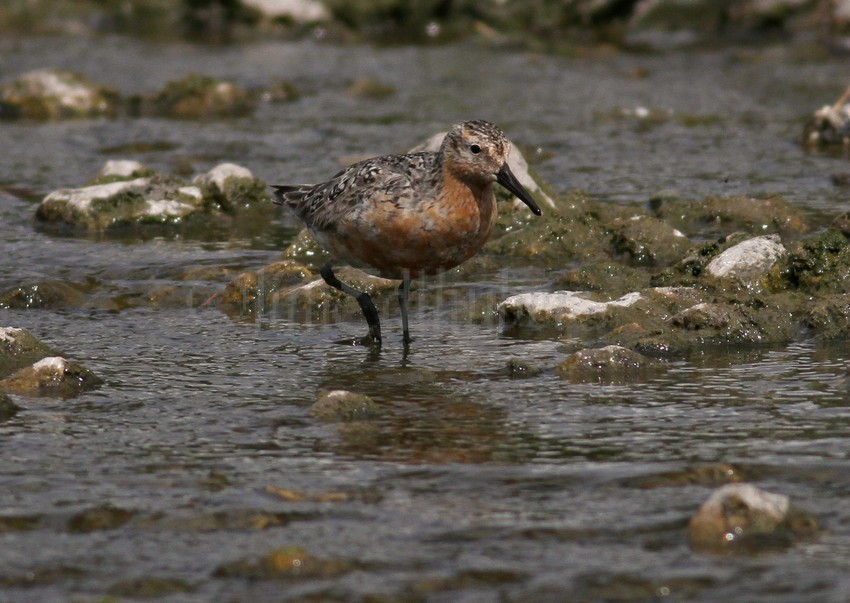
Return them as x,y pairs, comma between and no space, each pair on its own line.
506,178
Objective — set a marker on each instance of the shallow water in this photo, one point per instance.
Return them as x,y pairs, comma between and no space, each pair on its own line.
469,485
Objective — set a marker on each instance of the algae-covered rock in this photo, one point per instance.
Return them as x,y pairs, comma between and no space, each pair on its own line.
820,264
152,199
841,222
45,294
8,409
716,215
767,319
149,587
304,249
743,518
20,348
673,320
342,405
51,376
104,517
281,91
229,187
126,202
828,317
199,97
610,363
648,241
285,563
518,368
691,269
369,88
613,278
48,94
317,301
252,291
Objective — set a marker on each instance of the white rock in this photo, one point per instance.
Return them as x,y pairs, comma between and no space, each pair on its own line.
220,173
82,198
55,364
191,191
62,87
562,305
756,500
168,207
300,11
748,259
10,333
121,168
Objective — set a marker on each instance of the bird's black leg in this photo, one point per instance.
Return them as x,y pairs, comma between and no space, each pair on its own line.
370,313
403,293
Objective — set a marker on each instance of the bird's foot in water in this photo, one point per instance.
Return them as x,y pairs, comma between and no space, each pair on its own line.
366,341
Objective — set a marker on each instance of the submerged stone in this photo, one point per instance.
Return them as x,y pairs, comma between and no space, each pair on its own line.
518,368
199,97
740,517
149,587
342,405
42,295
306,250
317,301
47,94
369,88
8,409
609,363
51,376
285,563
104,517
20,348
252,291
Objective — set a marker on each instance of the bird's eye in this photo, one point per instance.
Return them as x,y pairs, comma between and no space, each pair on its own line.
475,149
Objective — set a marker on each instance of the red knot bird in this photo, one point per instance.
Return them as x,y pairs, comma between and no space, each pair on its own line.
406,216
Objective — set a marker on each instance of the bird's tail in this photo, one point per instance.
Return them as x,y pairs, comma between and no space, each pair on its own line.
288,194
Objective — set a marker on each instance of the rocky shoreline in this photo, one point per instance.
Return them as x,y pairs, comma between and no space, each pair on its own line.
569,27
654,281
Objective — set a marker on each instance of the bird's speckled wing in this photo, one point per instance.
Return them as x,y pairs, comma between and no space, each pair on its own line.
387,179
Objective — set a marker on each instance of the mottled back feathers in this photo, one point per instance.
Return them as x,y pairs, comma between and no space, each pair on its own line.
387,179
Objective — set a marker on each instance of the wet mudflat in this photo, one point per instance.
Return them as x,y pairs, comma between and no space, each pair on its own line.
198,472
